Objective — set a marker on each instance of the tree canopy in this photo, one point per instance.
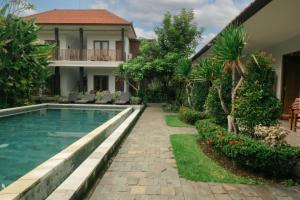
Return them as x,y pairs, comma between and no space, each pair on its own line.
23,60
177,38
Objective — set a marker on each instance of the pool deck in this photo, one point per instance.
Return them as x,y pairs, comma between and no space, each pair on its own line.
144,168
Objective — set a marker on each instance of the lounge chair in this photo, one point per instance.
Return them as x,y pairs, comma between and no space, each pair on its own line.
72,98
124,98
88,98
107,98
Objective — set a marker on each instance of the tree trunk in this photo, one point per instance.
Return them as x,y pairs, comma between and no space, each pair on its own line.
188,92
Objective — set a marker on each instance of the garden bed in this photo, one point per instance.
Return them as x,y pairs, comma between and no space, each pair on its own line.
194,165
174,121
248,154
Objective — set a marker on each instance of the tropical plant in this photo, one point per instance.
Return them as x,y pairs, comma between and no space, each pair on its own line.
183,73
228,50
227,53
23,60
255,101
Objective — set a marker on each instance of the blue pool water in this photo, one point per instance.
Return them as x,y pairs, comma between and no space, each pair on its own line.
28,139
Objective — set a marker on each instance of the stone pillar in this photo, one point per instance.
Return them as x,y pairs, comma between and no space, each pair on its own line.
81,44
57,81
81,74
123,44
56,33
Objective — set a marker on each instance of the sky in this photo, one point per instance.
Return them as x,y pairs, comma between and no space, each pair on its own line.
212,15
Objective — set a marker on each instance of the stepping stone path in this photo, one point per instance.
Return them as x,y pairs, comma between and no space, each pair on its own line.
144,168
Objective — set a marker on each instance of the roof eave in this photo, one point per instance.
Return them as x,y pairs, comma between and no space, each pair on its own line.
247,13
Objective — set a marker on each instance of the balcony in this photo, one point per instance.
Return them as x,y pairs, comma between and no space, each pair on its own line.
87,55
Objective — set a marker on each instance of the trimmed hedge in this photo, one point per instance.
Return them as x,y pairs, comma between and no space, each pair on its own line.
191,116
250,153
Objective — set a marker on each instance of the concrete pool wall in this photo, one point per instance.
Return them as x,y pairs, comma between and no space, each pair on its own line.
45,178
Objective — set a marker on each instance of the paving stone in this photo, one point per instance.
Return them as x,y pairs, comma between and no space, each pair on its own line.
222,197
138,190
145,169
168,191
217,189
152,190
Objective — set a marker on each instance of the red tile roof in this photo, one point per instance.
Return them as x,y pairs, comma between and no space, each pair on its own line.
89,17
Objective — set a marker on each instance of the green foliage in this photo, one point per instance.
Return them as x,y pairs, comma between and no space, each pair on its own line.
199,94
274,161
194,165
256,102
170,107
229,45
183,69
14,7
178,33
191,116
23,61
212,104
176,39
135,100
174,121
116,95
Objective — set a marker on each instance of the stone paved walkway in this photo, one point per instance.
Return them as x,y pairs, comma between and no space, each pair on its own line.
144,168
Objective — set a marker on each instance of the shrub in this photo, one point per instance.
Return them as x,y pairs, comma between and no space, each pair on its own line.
191,116
45,99
256,102
212,104
199,95
135,100
170,107
272,135
116,95
275,161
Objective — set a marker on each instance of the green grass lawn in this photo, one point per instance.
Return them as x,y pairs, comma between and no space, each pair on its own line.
174,121
194,165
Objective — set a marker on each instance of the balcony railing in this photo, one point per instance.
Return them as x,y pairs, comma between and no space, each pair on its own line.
88,55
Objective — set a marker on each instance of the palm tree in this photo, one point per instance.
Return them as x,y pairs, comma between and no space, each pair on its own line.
183,73
228,49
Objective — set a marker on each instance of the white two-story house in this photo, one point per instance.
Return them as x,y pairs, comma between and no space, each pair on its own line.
90,46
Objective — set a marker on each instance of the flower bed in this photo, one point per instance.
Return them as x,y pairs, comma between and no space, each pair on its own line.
274,161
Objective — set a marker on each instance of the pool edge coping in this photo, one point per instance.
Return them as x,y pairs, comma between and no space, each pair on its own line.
28,181
80,181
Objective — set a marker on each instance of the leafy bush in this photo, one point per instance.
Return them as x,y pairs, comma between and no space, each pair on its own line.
116,95
272,135
24,60
46,99
135,100
99,95
199,95
212,104
256,102
170,107
191,116
275,161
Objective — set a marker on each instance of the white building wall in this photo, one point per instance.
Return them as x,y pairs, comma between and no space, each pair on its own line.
278,51
91,72
51,36
69,78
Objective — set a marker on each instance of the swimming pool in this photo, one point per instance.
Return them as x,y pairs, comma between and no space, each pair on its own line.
30,138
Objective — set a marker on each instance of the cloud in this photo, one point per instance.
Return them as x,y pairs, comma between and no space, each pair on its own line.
212,15
28,12
141,33
206,38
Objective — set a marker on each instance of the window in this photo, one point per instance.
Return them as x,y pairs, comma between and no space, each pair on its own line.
119,84
100,83
101,50
102,45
